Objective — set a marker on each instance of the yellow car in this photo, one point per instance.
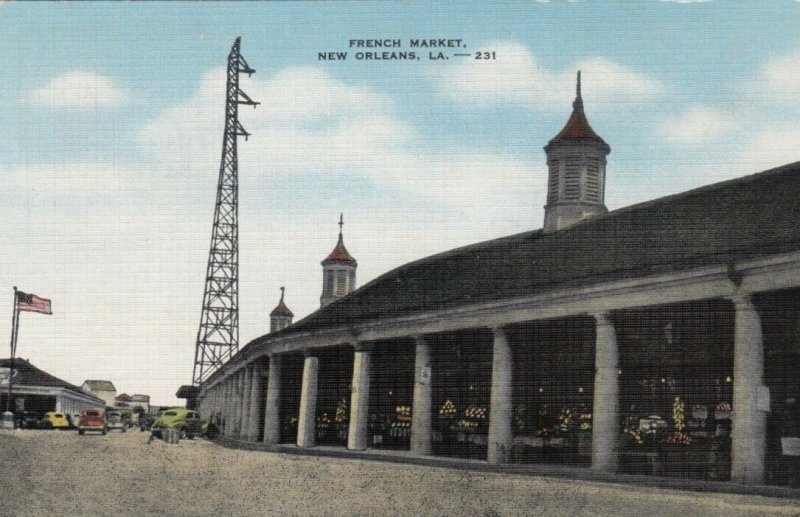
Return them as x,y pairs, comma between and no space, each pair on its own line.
53,420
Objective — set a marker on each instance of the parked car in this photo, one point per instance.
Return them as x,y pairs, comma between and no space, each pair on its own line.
26,420
114,420
146,422
92,420
73,420
187,421
54,420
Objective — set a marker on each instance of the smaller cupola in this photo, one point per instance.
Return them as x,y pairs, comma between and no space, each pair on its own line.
281,316
338,271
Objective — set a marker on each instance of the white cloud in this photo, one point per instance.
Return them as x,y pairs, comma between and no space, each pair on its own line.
772,147
781,78
311,123
516,77
79,90
699,125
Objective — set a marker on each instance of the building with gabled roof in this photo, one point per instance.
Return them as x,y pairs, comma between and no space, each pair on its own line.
35,392
102,389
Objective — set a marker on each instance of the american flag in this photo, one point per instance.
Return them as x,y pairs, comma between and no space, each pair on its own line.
32,303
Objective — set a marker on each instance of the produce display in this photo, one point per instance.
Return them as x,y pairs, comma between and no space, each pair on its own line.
447,409
565,420
585,420
324,421
402,417
341,412
678,436
474,416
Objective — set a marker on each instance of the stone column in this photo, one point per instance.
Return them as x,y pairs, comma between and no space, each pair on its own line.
256,402
214,405
605,418
218,405
750,396
500,413
306,425
421,430
247,382
237,403
359,399
227,405
272,413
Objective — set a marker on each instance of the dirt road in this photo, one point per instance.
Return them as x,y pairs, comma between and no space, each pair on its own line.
61,473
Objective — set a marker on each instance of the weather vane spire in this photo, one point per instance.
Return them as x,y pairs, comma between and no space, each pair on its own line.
341,223
578,104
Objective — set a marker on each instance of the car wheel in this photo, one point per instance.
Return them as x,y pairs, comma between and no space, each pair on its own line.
123,429
104,432
183,434
80,432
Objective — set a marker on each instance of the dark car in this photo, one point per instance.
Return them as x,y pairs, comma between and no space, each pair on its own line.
26,420
146,422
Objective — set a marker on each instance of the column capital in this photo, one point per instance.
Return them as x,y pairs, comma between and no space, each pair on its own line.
742,300
364,346
498,330
419,338
603,318
310,353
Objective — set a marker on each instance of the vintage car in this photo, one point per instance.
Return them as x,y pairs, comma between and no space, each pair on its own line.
115,420
27,420
54,420
92,420
146,422
186,421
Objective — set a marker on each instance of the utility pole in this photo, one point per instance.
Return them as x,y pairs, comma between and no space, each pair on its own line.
218,335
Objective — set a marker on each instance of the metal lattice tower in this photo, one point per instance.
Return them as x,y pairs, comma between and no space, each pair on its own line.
218,336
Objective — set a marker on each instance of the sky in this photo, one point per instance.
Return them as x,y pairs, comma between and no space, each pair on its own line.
111,120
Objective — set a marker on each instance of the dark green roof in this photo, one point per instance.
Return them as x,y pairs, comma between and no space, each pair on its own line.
746,217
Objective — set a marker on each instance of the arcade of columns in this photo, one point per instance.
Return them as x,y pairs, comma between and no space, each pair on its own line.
236,395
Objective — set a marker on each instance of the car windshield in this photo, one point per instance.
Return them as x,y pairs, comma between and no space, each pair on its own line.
170,413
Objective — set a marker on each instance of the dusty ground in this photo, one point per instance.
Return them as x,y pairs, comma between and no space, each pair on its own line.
61,473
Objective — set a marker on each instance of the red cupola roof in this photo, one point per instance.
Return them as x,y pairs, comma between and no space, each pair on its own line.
577,127
340,255
282,309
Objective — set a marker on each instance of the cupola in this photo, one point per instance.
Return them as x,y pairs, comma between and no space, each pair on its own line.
281,316
338,271
576,162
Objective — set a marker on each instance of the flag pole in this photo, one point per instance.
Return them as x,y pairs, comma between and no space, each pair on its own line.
14,326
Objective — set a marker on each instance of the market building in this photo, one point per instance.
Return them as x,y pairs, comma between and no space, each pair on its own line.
661,338
35,392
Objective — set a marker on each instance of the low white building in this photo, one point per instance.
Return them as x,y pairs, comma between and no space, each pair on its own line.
37,392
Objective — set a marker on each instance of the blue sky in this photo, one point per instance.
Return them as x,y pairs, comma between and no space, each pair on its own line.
111,124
